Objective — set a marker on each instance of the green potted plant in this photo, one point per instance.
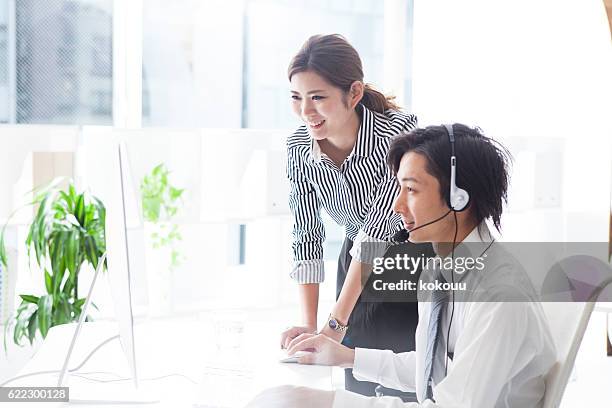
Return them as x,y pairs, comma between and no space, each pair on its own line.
160,204
68,231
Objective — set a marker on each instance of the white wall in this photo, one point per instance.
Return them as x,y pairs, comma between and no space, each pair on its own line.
527,70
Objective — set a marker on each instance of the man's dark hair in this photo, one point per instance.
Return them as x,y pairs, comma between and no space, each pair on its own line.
482,165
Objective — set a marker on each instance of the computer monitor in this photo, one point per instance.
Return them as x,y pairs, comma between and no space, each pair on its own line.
117,258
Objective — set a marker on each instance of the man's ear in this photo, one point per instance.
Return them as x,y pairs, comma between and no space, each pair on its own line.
356,93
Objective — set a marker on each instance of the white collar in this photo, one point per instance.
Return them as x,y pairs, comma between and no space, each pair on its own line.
480,233
479,241
363,144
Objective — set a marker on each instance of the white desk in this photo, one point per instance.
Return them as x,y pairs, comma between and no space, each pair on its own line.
229,368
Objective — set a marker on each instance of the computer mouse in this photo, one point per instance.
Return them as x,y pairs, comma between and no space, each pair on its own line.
294,358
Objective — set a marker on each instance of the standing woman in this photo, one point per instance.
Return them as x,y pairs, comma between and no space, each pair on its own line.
336,161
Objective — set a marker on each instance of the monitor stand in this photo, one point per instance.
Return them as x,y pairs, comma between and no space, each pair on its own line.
106,393
99,340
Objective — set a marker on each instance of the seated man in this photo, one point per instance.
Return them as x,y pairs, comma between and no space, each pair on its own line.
499,347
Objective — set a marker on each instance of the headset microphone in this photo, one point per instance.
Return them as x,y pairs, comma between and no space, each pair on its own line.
403,234
400,236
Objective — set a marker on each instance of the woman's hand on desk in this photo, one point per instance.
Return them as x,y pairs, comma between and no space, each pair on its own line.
293,332
295,397
324,350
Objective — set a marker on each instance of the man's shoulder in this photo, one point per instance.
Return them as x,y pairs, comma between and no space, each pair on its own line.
504,277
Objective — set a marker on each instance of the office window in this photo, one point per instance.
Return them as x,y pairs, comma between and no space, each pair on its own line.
101,56
275,31
4,63
3,55
192,63
223,64
101,102
55,57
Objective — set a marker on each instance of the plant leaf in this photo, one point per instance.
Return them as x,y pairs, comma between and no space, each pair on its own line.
21,319
90,251
71,249
3,257
175,193
17,332
29,298
67,229
79,211
48,282
32,327
62,313
44,314
68,201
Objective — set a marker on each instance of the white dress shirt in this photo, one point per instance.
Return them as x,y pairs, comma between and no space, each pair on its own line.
503,350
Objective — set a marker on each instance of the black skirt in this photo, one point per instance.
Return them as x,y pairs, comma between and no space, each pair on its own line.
379,325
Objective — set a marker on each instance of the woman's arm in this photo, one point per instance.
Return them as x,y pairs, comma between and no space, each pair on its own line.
309,302
341,310
308,236
348,297
309,297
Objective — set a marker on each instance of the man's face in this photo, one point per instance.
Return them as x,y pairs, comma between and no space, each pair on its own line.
419,201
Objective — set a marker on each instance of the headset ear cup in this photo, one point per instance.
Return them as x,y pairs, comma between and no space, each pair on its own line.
459,199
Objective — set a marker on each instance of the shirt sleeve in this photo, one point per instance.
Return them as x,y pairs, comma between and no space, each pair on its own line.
384,367
490,343
308,230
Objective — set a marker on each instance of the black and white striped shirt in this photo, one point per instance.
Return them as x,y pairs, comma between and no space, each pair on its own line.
358,195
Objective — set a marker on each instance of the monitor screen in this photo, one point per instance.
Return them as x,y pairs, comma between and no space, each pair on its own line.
118,255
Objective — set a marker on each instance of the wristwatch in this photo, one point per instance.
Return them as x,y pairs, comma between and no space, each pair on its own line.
335,325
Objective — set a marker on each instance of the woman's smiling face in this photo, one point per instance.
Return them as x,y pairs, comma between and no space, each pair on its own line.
323,107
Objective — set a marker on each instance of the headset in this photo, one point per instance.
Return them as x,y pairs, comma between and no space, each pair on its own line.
457,198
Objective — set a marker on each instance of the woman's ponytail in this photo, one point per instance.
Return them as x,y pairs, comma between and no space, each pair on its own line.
376,101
